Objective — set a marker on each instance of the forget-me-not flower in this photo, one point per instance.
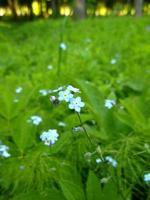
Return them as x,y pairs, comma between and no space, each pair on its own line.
76,104
19,90
147,177
65,95
109,103
49,137
63,46
36,120
110,160
72,89
113,61
3,151
43,92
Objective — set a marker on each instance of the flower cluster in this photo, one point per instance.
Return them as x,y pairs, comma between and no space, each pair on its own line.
111,161
3,150
108,159
36,120
67,95
49,137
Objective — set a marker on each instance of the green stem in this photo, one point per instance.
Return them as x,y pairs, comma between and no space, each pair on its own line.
81,123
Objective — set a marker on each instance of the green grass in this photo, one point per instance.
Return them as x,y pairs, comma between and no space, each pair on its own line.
63,171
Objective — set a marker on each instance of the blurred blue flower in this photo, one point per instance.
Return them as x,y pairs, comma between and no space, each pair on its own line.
19,89
110,160
36,120
72,89
109,103
147,177
63,46
3,150
98,160
49,137
43,92
113,61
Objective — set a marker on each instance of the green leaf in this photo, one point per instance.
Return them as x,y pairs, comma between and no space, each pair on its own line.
93,187
95,191
71,190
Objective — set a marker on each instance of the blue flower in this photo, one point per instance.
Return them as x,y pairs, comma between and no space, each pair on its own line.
3,151
36,120
110,160
147,177
76,104
49,137
98,160
65,95
113,61
109,103
43,92
72,89
63,46
18,89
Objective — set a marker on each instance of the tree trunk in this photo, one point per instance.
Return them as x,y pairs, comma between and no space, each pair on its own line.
12,4
79,10
138,7
55,7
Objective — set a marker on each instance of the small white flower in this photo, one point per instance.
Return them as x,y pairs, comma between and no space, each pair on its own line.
65,95
36,120
110,160
76,104
147,177
113,61
62,124
98,160
43,92
49,137
72,89
18,89
109,103
77,129
63,46
49,67
3,151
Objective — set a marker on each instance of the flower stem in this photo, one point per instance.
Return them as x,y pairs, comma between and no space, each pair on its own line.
81,123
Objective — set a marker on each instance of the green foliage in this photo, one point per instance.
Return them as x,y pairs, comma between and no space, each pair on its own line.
68,170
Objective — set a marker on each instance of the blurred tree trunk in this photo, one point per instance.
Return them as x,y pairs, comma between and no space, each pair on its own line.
12,4
79,10
55,7
138,7
29,5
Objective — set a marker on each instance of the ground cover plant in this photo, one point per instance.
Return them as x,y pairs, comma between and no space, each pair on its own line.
74,109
